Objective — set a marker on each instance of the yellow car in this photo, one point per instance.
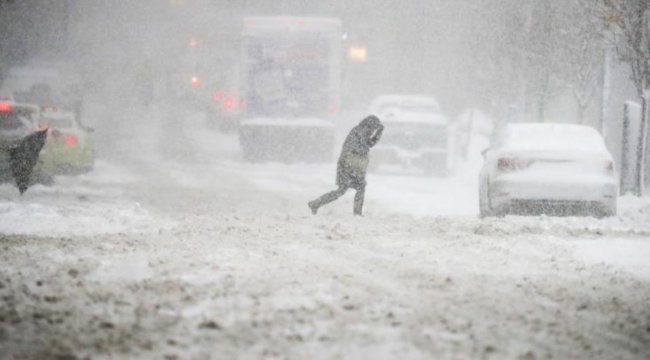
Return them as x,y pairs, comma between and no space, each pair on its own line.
69,148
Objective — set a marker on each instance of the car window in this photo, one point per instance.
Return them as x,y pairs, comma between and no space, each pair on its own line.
58,123
12,122
415,136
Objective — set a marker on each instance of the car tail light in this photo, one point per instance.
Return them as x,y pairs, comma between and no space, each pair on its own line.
229,103
70,141
193,43
194,82
332,108
5,108
512,164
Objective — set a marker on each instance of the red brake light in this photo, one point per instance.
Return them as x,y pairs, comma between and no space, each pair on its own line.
229,103
5,108
504,164
70,141
194,82
512,164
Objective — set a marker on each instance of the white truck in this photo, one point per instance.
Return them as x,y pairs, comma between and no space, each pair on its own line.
290,82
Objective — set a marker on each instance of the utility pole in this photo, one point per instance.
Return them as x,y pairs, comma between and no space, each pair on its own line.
641,144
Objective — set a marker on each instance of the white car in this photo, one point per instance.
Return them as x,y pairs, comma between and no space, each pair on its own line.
544,168
416,134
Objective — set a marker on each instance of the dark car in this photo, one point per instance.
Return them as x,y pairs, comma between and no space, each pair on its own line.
16,122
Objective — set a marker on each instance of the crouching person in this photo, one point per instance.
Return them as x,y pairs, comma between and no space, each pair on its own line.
353,163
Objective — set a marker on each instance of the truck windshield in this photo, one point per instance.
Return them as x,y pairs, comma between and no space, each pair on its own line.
287,75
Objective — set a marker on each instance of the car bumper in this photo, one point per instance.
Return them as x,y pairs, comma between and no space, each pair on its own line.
61,162
530,196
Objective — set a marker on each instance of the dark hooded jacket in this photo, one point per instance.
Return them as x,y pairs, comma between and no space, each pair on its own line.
25,156
353,162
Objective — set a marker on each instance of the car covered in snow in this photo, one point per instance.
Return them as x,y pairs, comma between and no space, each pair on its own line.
69,147
548,168
416,135
17,120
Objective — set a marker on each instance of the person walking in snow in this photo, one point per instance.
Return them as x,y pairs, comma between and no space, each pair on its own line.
24,157
352,164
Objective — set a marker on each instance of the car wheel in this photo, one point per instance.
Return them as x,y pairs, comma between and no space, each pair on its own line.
484,209
44,179
86,169
483,213
605,213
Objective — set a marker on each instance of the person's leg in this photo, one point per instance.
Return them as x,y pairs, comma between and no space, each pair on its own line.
327,198
358,198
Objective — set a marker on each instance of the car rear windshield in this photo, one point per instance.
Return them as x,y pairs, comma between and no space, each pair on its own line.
11,122
60,123
414,136
551,137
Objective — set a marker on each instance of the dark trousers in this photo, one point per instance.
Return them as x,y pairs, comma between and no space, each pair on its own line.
333,195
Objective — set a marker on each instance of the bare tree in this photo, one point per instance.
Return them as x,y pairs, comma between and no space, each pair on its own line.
497,55
633,45
583,49
543,55
633,48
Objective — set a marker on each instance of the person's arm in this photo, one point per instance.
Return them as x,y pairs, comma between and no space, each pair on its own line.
375,138
357,142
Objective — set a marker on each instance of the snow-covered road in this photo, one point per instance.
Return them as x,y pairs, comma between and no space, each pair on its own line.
174,248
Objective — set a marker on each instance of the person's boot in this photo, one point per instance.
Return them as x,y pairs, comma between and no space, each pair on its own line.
313,206
358,206
358,202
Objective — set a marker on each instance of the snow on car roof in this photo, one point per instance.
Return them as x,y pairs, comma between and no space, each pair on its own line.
296,122
411,117
259,24
58,114
552,136
408,109
404,100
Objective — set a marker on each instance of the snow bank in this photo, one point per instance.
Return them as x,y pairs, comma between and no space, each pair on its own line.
73,218
630,255
93,203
